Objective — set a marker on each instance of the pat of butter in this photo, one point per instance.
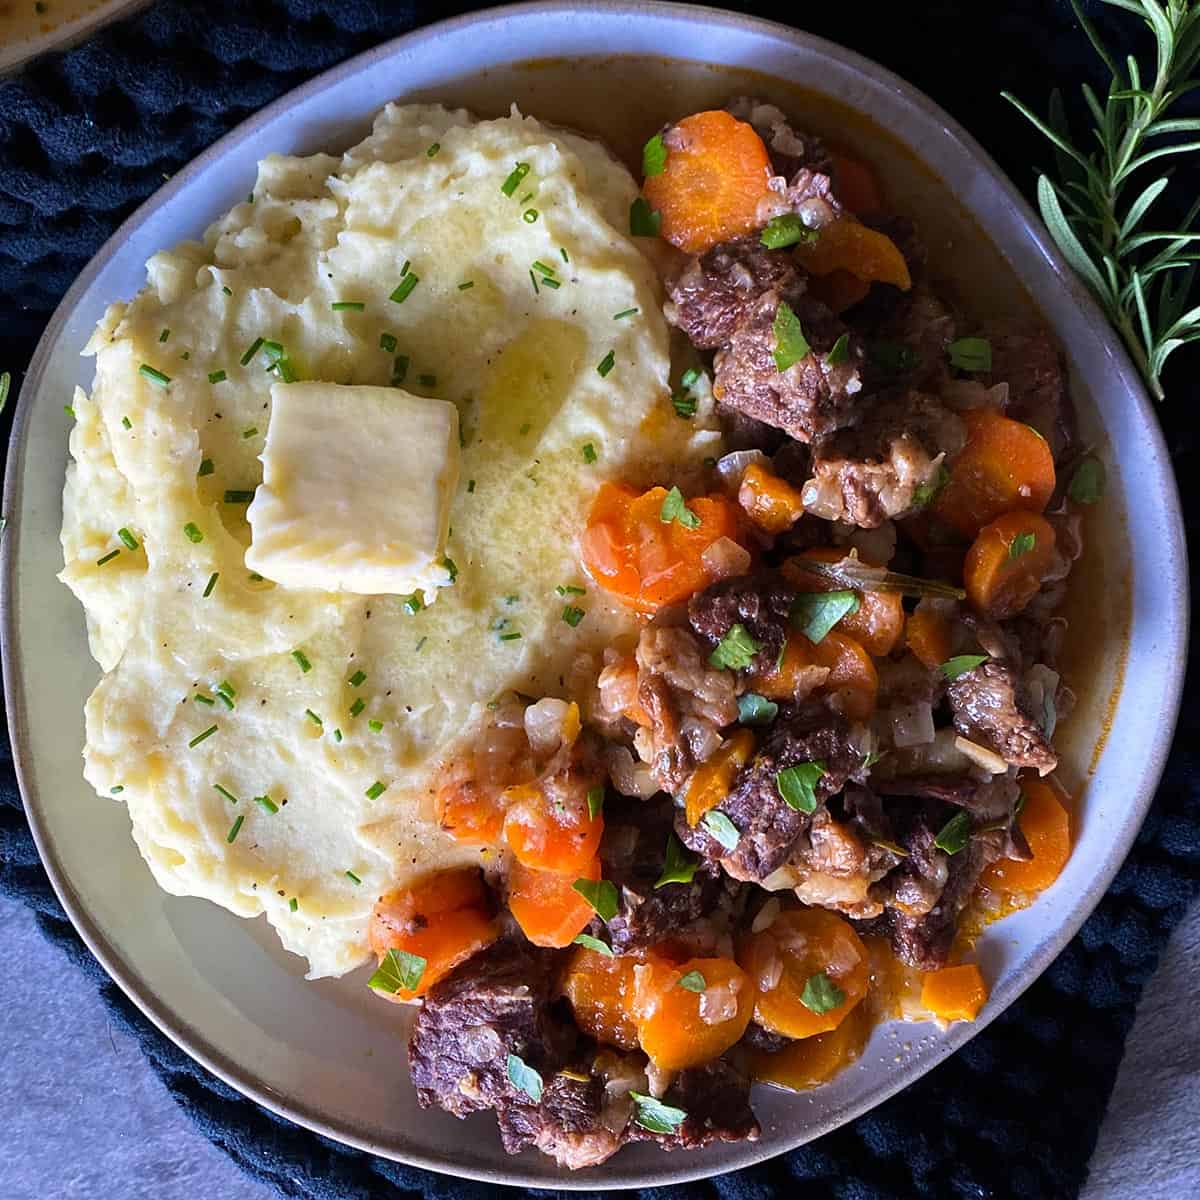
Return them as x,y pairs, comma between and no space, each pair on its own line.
356,490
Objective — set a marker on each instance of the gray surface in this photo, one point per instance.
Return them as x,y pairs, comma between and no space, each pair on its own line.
85,1117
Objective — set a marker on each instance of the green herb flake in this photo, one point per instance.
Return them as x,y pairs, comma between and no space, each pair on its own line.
253,349
510,637
821,994
601,894
595,802
839,352
569,589
357,706
387,341
466,285
357,679
679,866
754,709
893,357
1021,544
684,404
238,497
970,354
510,185
200,737
316,720
234,829
451,567
655,1116
337,735
572,615
193,533
347,306
1087,483
625,312
404,288
433,149
470,487
674,508
375,790
212,583
354,879
226,793
529,216
247,434
399,971
294,904
736,650
786,230
201,698
6,387
798,785
524,1078
206,468
156,377
165,335
116,791
643,220
954,835
790,343
594,944
124,420
816,613
302,661
960,664
107,558
589,452
375,726
413,603
606,364
926,493
693,981
721,828
266,804
217,377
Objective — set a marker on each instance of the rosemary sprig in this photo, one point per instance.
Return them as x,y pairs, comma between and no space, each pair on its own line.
1142,276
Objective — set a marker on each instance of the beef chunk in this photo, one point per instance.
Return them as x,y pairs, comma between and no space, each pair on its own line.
920,325
760,602
770,830
495,1004
763,1041
716,291
789,149
1026,357
632,854
991,802
809,400
567,1124
686,700
716,1098
887,465
990,707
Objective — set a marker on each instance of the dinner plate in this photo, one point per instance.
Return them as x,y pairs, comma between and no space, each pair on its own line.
328,1055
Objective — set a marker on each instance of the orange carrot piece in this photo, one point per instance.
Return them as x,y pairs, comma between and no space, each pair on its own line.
855,183
1046,825
443,918
690,1012
930,637
1004,466
469,812
770,502
800,946
547,907
852,682
714,180
559,836
646,562
600,991
848,245
954,993
840,289
815,1060
879,621
1005,565
711,780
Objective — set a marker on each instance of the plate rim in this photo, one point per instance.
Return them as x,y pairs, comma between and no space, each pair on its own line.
195,1044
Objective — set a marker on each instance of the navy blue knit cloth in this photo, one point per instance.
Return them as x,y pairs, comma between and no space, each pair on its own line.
85,137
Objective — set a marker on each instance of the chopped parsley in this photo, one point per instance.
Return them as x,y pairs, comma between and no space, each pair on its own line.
572,615
893,357
971,354
927,492
674,508
594,944
375,790
1021,544
654,156
790,343
754,709
524,1078
721,828
1087,484
736,650
797,786
693,981
786,230
655,1116
960,664
816,613
679,866
821,994
954,835
684,404
399,971
643,220
839,351
601,894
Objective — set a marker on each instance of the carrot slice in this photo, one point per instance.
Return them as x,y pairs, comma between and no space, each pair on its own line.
815,1060
803,962
711,780
848,245
600,991
1004,466
547,907
855,183
443,919
559,835
690,1012
469,812
954,993
648,563
853,682
1047,828
1006,563
714,180
770,502
930,637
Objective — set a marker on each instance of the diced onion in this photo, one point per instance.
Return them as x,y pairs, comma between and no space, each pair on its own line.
731,467
981,756
766,915
544,725
630,778
724,558
770,972
718,1003
912,724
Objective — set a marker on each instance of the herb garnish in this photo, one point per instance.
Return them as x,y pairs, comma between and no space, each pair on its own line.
217,377
893,357
302,661
510,185
839,351
674,508
601,894
235,828
398,971
524,1078
206,468
954,835
354,879
693,981
1021,544
193,533
790,343
643,220
654,156
721,828
108,557
606,364
595,802
572,615
970,354
375,790
797,785
1087,484
593,943
212,583
154,376
266,804
387,341
589,452
786,230
358,678
654,1115
347,306
754,709
200,737
679,866
404,288
816,613
960,664
736,650
238,497
821,994
625,312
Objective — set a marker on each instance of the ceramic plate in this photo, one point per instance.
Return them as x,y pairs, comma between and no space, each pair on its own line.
329,1056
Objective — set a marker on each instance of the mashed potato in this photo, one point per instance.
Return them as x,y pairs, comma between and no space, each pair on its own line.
328,711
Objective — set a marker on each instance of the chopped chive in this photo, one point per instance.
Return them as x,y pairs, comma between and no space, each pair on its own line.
387,342
228,291
166,333
193,533
533,280
470,486
563,251
155,377
359,677
312,716
225,688
374,726
413,603
509,637
69,411
572,615
266,804
347,306
543,270
375,790
234,828
116,791
404,288
206,468
552,284
525,429
606,364
525,199
684,405
337,735
510,185
625,312
529,216
201,737
232,497
420,644
293,904
404,269
226,793
589,452
470,283
107,558
249,433
450,566
569,589
272,351
357,706
127,538
399,369
302,661
433,149
217,377
350,875
127,422
201,698
254,348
